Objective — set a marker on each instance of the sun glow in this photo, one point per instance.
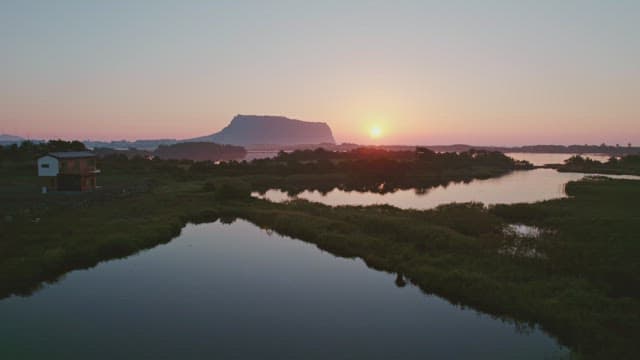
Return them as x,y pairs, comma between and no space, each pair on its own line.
375,132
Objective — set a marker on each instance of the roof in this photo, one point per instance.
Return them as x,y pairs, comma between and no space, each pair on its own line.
71,154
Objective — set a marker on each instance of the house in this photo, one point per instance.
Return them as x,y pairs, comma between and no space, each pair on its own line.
68,171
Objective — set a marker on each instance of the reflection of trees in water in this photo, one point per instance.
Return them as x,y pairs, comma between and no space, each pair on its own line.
227,220
367,170
372,185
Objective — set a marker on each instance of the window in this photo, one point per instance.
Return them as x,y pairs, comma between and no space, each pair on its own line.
44,166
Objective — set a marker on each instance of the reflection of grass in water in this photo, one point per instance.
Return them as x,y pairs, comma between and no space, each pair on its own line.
521,241
585,291
523,231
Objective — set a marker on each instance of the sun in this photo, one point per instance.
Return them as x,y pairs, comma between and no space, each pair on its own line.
375,132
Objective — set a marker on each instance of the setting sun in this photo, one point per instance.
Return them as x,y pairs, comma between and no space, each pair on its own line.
375,132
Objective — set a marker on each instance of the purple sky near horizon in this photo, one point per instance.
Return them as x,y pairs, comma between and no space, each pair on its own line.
425,72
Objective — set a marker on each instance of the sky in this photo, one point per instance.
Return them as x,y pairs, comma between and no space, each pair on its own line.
423,72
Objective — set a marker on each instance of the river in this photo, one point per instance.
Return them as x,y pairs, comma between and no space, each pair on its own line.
239,292
516,187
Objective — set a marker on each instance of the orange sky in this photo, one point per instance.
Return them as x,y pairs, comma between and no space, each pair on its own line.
425,72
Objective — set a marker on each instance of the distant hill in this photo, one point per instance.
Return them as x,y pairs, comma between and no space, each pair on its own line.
102,152
6,138
137,144
272,130
200,151
556,149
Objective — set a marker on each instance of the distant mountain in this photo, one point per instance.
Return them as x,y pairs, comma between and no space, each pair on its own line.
10,138
555,149
272,130
137,144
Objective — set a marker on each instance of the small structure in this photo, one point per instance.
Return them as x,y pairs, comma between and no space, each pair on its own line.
68,171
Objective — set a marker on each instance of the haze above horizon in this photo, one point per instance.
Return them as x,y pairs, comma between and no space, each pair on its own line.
402,72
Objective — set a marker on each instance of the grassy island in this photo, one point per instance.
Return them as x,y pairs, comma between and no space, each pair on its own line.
624,165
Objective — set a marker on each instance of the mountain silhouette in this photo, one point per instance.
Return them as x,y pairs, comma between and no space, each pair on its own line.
10,138
270,130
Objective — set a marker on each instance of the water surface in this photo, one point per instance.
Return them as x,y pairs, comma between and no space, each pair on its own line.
534,158
553,158
239,292
516,187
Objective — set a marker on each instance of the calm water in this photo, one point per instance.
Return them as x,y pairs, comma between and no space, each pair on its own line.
535,159
236,291
516,187
548,158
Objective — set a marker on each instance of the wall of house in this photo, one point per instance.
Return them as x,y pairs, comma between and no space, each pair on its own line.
88,183
48,166
67,174
77,166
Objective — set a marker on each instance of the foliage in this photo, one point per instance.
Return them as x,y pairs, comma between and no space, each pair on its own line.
233,190
28,150
199,151
629,164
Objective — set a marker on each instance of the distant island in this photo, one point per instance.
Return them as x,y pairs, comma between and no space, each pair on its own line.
270,130
195,151
6,139
137,144
540,149
246,130
276,133
199,151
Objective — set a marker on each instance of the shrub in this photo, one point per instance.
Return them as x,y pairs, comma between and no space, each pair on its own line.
233,190
209,186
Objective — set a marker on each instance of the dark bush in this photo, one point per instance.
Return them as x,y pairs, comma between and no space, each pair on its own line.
233,190
209,186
